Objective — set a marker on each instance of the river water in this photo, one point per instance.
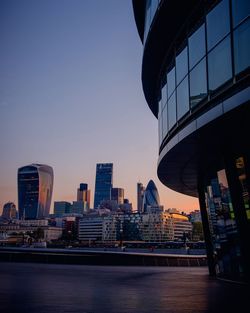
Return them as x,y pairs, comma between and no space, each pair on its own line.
47,288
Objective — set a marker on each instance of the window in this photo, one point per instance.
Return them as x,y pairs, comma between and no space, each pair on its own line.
219,64
217,23
160,128
182,98
242,47
222,226
181,65
198,83
164,94
171,82
241,9
196,46
171,111
164,122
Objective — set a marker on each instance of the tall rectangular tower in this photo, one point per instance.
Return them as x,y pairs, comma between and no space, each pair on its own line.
103,182
117,194
140,194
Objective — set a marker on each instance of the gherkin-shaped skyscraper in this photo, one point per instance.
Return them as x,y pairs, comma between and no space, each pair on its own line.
151,196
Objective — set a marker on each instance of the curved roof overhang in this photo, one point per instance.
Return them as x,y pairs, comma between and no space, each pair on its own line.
178,167
181,166
170,19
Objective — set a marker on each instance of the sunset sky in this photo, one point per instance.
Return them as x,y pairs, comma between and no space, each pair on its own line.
71,97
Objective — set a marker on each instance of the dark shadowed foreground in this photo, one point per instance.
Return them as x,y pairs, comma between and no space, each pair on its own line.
50,288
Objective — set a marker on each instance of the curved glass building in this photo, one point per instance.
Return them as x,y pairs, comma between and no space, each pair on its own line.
195,77
35,185
151,197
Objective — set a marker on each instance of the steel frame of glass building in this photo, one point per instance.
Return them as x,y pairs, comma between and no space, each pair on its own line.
195,77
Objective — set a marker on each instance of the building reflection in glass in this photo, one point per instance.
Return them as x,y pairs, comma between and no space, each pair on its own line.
223,228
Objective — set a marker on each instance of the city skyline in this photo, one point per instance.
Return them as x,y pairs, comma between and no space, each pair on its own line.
71,98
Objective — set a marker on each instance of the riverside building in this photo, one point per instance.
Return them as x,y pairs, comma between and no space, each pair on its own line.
195,77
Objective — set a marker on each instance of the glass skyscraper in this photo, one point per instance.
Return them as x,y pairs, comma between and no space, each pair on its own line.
151,196
103,182
35,185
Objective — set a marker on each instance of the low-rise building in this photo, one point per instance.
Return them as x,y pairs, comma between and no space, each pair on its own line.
90,229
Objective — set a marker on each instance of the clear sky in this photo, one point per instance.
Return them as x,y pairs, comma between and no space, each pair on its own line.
71,97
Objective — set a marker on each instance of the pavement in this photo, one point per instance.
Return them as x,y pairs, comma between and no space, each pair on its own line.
47,288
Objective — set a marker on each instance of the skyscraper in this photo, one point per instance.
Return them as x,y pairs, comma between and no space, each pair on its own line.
195,76
35,185
151,197
140,194
103,182
117,194
83,194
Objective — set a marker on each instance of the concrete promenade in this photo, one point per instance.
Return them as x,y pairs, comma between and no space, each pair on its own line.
60,288
97,257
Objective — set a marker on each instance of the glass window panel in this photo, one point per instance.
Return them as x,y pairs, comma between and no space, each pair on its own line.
171,82
219,64
223,226
242,47
160,128
218,23
181,65
182,98
196,46
165,121
171,111
164,95
198,83
241,9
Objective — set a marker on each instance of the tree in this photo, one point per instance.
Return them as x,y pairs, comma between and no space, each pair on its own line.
197,231
39,234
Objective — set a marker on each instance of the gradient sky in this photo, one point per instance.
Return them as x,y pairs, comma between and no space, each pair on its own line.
71,97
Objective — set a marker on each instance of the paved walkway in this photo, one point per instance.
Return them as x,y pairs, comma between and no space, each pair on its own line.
50,288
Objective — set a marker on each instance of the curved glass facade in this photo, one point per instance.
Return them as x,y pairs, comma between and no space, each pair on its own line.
35,186
195,75
151,196
220,41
